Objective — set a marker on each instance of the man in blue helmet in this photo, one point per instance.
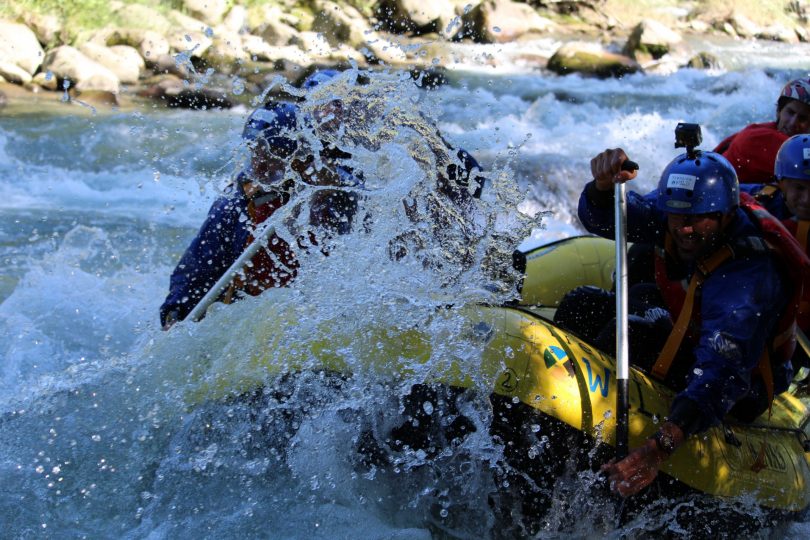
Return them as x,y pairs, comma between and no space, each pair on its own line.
255,195
728,316
280,160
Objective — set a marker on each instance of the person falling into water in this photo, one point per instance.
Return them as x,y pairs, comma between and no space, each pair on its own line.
281,162
258,192
714,354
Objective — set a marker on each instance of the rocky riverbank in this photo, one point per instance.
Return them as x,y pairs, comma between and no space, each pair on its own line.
214,53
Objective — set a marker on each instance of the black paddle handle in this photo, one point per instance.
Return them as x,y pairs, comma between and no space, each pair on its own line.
629,165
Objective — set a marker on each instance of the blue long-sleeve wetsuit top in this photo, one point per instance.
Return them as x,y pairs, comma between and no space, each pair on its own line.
741,302
219,242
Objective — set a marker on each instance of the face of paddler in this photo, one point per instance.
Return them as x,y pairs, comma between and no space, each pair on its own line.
329,115
794,118
697,235
797,196
266,168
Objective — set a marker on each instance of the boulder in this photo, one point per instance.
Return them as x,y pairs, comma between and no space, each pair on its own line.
47,28
778,32
400,16
193,44
500,21
175,93
313,43
225,51
20,46
67,62
46,80
386,51
122,60
743,26
340,24
590,59
181,21
704,60
14,73
208,11
141,16
93,98
167,64
148,43
296,18
257,48
289,54
236,20
276,32
650,39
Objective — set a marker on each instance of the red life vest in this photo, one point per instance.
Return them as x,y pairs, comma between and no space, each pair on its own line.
752,151
273,266
684,304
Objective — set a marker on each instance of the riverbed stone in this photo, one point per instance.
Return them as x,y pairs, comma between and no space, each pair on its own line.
236,20
275,32
149,44
20,46
340,24
14,73
226,50
67,62
416,16
500,21
181,21
144,17
188,42
743,26
704,60
650,40
590,59
208,11
123,60
778,32
46,81
47,28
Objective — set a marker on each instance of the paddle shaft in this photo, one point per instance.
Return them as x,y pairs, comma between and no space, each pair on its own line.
622,347
213,293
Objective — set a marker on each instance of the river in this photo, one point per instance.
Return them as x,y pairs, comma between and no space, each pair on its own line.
112,428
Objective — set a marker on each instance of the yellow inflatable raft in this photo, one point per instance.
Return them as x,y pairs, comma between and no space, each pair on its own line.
552,375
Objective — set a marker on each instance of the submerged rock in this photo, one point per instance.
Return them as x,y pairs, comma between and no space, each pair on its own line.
590,59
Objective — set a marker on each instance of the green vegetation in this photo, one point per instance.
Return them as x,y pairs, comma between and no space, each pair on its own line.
79,15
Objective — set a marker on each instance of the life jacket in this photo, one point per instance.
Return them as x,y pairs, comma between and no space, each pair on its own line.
684,301
800,229
752,151
273,266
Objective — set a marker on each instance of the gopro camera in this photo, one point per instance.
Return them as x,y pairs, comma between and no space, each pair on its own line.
688,136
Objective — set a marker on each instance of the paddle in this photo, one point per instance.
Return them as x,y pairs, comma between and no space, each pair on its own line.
622,348
213,293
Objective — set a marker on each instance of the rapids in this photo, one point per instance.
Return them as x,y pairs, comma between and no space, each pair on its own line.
110,427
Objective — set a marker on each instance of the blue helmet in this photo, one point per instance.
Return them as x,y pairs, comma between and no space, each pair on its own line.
319,77
793,159
271,123
703,184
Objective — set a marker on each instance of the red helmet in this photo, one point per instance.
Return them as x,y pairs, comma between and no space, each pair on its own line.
798,90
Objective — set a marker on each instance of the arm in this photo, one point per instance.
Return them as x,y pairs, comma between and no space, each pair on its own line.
596,203
210,253
741,302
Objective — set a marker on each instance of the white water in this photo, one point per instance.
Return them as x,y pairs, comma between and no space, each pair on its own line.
102,431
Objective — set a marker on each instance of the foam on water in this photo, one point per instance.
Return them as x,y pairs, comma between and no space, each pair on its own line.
111,427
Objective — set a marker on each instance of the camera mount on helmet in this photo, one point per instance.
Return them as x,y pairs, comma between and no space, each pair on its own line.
688,136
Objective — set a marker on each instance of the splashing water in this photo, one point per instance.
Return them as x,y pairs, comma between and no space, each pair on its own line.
294,414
